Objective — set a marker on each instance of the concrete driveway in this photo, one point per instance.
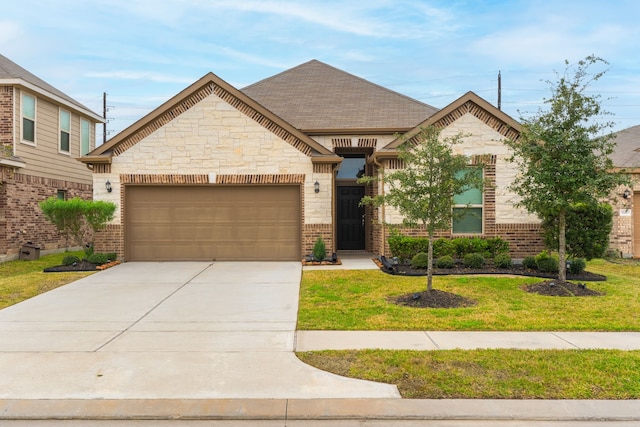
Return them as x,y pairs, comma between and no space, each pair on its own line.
166,330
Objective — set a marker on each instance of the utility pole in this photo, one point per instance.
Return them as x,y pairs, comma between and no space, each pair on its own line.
104,116
499,90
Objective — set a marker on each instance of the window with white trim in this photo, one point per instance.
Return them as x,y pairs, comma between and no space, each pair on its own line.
28,118
65,131
468,209
85,137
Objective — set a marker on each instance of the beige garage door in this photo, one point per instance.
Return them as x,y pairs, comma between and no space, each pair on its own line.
182,223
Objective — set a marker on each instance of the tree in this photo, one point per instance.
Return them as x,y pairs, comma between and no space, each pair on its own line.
423,190
563,152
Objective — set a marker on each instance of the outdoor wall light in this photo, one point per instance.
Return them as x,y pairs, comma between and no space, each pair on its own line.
316,187
626,194
108,186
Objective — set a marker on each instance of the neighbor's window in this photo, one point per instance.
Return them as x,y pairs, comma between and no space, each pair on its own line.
65,130
85,136
28,118
62,194
469,220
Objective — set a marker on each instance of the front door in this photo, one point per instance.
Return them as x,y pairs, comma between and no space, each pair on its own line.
350,218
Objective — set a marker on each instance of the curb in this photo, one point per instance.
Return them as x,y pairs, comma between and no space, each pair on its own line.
319,409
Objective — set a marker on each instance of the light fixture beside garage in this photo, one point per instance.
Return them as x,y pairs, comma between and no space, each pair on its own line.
108,186
316,187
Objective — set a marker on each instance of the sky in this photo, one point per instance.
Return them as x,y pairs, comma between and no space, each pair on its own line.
143,52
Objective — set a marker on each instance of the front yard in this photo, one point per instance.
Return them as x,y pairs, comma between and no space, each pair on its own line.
361,300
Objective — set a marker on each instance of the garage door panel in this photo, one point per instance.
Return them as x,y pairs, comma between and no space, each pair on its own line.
212,222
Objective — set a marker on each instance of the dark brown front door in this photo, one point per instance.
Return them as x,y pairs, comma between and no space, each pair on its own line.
350,218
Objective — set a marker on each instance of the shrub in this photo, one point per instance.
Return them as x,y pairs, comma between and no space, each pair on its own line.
420,260
70,259
112,256
462,246
546,263
497,246
529,262
98,259
502,261
443,247
474,260
319,249
576,265
445,261
587,232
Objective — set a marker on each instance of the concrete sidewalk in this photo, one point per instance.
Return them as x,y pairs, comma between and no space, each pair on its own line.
442,340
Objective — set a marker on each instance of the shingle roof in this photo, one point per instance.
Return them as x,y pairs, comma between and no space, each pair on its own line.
627,151
317,97
9,70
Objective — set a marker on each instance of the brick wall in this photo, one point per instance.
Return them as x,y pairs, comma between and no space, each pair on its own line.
311,232
23,219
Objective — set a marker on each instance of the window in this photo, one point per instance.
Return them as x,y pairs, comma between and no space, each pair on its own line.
65,130
467,210
28,118
62,194
351,168
85,136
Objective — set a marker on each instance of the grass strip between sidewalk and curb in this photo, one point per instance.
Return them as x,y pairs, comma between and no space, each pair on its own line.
491,374
21,280
361,300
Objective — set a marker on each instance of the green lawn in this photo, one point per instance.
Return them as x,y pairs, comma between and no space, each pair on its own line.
359,300
20,280
492,374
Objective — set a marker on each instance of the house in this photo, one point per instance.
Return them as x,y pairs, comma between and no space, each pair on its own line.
42,132
217,173
625,236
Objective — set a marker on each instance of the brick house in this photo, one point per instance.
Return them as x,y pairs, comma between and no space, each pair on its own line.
218,173
42,133
625,236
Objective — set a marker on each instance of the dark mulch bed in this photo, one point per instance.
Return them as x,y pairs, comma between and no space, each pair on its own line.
518,270
554,288
76,266
434,299
440,299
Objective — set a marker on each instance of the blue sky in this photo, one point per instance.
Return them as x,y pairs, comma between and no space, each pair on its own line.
142,52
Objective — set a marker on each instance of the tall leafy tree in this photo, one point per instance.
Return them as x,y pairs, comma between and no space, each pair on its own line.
563,150
423,190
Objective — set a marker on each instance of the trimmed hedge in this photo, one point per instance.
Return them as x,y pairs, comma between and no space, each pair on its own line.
406,247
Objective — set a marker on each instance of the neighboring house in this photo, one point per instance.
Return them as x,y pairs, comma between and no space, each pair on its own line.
625,237
218,173
42,133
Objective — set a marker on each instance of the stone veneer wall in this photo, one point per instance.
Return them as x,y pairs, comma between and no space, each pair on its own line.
21,219
6,118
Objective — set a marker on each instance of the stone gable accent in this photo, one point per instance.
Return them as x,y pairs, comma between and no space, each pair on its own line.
197,97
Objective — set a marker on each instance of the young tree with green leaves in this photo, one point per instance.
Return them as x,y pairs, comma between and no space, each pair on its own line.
423,190
563,151
73,216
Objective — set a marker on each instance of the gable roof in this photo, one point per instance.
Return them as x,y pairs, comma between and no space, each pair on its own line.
191,96
319,99
13,74
627,151
467,103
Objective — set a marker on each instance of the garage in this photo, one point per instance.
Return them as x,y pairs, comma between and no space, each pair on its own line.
203,223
